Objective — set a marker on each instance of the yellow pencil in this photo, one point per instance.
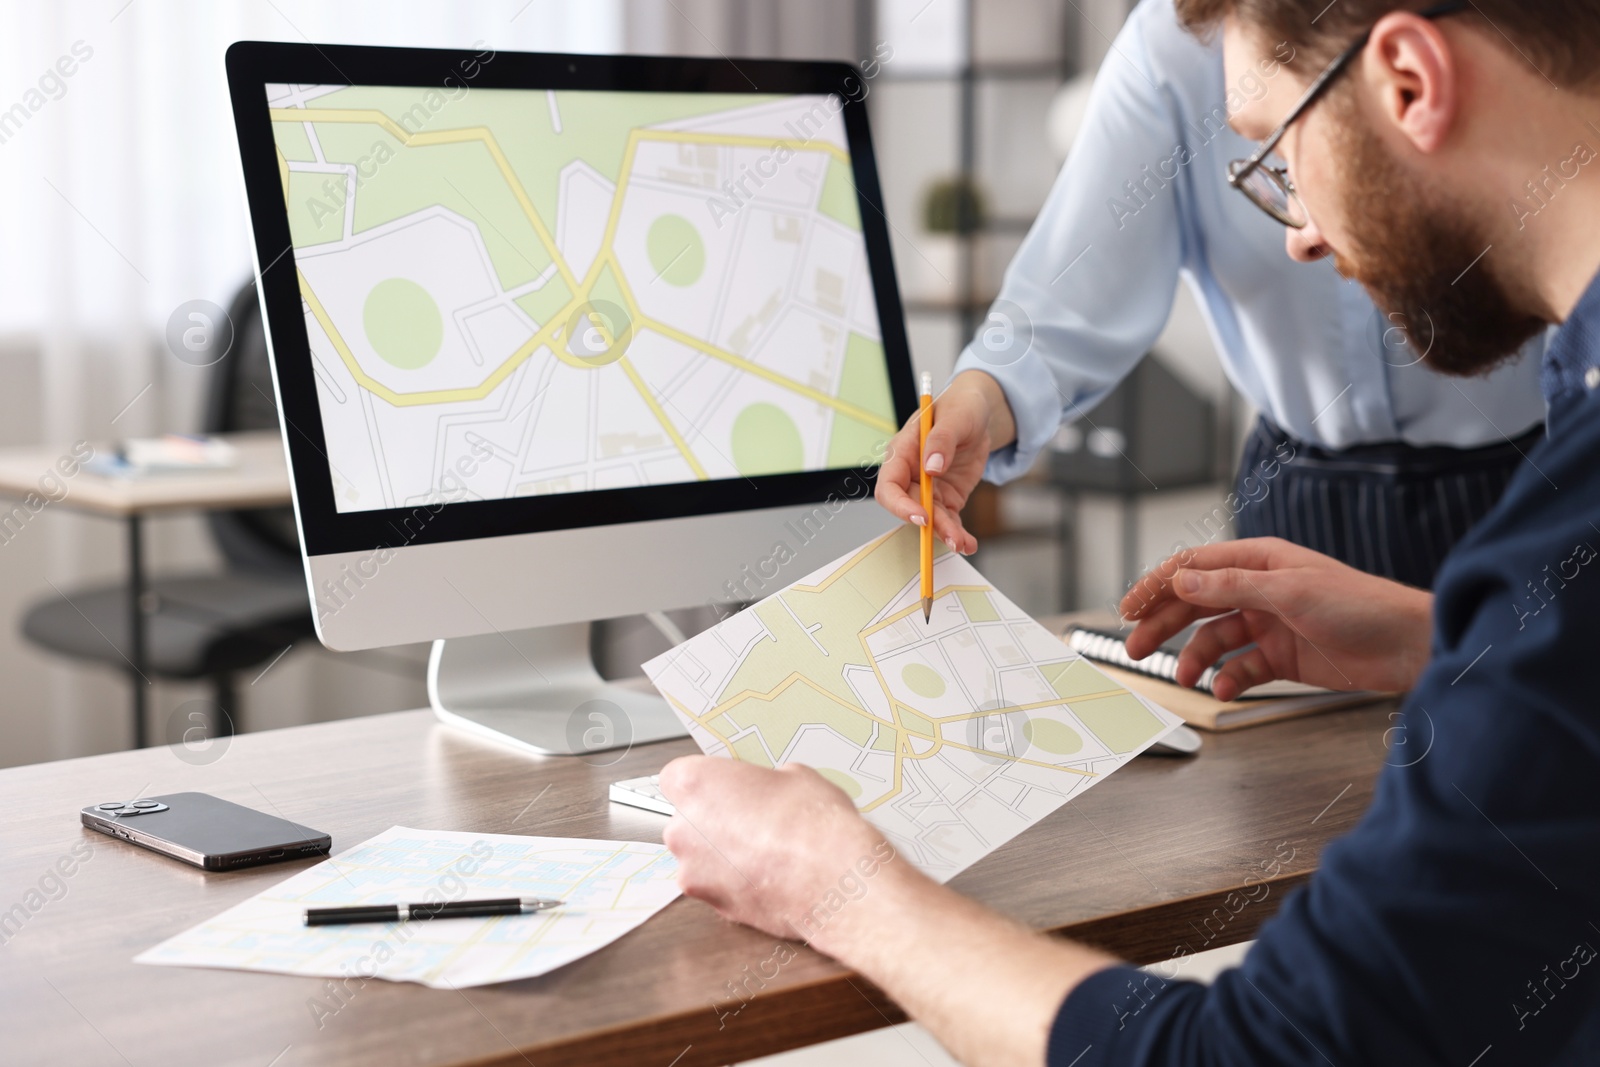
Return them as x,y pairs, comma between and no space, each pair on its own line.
927,501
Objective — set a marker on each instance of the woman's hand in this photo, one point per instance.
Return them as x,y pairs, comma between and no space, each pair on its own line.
970,418
1312,618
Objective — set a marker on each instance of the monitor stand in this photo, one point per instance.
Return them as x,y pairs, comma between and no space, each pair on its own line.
538,691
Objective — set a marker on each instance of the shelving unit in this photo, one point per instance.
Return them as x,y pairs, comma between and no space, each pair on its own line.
970,78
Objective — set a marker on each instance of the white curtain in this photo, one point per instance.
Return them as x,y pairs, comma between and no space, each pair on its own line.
123,184
119,181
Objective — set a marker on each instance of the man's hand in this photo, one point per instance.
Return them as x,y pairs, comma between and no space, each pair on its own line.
781,850
1312,618
785,851
970,418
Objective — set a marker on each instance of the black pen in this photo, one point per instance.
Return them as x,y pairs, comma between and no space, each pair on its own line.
458,909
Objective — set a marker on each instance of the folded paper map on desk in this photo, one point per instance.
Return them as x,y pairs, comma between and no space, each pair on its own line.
951,737
609,887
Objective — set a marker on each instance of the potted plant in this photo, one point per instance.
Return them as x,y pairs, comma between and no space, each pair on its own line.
953,212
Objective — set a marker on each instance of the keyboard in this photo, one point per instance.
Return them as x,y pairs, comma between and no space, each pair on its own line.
642,793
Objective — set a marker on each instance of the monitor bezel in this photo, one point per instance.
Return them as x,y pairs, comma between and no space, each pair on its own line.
251,65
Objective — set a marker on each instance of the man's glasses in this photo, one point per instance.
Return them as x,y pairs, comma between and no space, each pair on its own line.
1269,187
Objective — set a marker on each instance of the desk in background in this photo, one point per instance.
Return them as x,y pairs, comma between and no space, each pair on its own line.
261,479
1142,864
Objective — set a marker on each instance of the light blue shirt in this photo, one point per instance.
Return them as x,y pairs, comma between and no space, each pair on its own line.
1142,201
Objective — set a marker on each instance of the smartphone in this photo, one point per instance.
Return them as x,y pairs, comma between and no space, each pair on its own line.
205,831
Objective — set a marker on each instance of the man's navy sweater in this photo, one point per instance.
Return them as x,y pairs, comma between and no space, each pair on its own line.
1458,924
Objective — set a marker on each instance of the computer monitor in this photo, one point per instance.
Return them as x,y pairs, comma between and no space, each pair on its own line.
565,337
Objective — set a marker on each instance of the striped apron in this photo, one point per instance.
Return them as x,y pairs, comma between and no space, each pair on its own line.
1390,509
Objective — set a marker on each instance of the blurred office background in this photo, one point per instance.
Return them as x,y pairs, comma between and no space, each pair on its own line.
124,203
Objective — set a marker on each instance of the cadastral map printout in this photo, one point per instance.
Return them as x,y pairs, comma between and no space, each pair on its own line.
610,887
951,737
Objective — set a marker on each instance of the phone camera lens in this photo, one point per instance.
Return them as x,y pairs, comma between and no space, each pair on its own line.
115,805
146,804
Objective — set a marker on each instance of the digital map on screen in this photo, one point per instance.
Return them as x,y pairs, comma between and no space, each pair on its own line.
520,292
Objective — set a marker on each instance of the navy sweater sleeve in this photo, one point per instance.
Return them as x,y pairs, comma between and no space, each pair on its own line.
1457,924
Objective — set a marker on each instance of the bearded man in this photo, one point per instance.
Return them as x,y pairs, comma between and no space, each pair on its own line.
1456,923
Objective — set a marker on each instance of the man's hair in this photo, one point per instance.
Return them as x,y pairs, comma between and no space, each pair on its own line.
1560,38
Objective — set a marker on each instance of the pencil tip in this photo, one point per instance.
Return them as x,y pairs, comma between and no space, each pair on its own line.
927,609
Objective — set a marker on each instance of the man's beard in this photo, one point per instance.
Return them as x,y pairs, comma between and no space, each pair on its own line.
1413,254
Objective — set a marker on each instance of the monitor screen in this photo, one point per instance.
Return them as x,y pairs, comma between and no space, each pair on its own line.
525,292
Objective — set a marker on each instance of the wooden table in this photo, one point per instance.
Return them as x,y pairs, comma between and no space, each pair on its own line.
261,479
1142,865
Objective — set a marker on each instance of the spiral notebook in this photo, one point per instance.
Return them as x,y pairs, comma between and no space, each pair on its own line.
1155,677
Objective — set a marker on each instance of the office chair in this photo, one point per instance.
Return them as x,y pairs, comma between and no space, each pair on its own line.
210,626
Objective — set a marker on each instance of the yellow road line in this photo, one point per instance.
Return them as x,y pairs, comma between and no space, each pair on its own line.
860,414
915,608
610,257
902,737
608,239
437,396
341,114
940,741
517,190
705,725
796,678
661,416
849,564
463,135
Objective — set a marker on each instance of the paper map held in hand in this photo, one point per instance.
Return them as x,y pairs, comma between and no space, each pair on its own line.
952,737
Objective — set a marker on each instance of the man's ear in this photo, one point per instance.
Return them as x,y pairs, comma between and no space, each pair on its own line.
1412,68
